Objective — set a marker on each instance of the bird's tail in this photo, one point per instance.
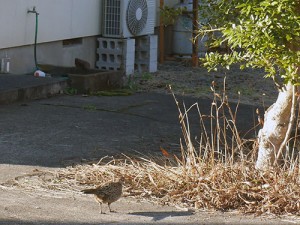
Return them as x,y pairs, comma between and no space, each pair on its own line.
88,191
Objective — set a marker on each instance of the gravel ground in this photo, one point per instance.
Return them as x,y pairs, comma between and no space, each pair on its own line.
254,89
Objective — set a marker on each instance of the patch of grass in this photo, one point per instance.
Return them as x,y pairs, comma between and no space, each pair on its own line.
90,107
245,91
196,90
132,83
146,76
70,91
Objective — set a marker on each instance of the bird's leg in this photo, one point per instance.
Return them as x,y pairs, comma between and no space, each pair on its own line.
110,208
100,203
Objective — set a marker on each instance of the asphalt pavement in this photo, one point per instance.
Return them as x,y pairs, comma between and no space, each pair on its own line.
65,129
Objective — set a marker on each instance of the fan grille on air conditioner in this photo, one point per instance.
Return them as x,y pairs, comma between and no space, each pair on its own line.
128,18
137,15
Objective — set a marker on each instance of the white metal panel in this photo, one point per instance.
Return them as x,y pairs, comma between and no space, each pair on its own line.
117,25
58,20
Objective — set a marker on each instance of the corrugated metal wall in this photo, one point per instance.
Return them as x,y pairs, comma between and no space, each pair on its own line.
58,20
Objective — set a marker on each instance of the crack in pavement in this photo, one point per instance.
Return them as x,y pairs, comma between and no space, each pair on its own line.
120,111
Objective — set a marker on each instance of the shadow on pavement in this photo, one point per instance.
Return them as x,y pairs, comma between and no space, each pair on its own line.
65,130
156,216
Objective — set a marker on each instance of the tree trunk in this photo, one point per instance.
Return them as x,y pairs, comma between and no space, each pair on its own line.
273,136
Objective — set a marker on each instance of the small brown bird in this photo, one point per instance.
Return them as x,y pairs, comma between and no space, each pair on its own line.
107,193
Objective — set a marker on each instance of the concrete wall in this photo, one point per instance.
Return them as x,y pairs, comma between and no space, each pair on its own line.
22,57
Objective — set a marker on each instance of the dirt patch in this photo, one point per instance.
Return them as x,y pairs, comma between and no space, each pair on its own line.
247,86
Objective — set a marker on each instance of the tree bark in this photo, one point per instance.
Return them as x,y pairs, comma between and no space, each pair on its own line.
195,38
277,123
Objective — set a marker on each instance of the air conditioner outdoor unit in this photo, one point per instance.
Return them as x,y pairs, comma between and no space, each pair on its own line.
128,18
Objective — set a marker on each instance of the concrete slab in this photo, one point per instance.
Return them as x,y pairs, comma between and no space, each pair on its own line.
16,88
37,208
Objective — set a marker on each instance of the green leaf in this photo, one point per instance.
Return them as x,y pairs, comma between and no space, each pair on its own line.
288,37
241,5
259,33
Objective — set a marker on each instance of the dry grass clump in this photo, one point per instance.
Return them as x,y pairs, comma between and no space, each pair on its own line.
232,187
218,174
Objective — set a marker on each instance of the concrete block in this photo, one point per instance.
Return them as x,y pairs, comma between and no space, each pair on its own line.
153,56
146,66
153,41
96,80
146,54
142,55
108,51
130,58
108,66
129,70
112,58
147,42
116,54
153,66
109,45
129,44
